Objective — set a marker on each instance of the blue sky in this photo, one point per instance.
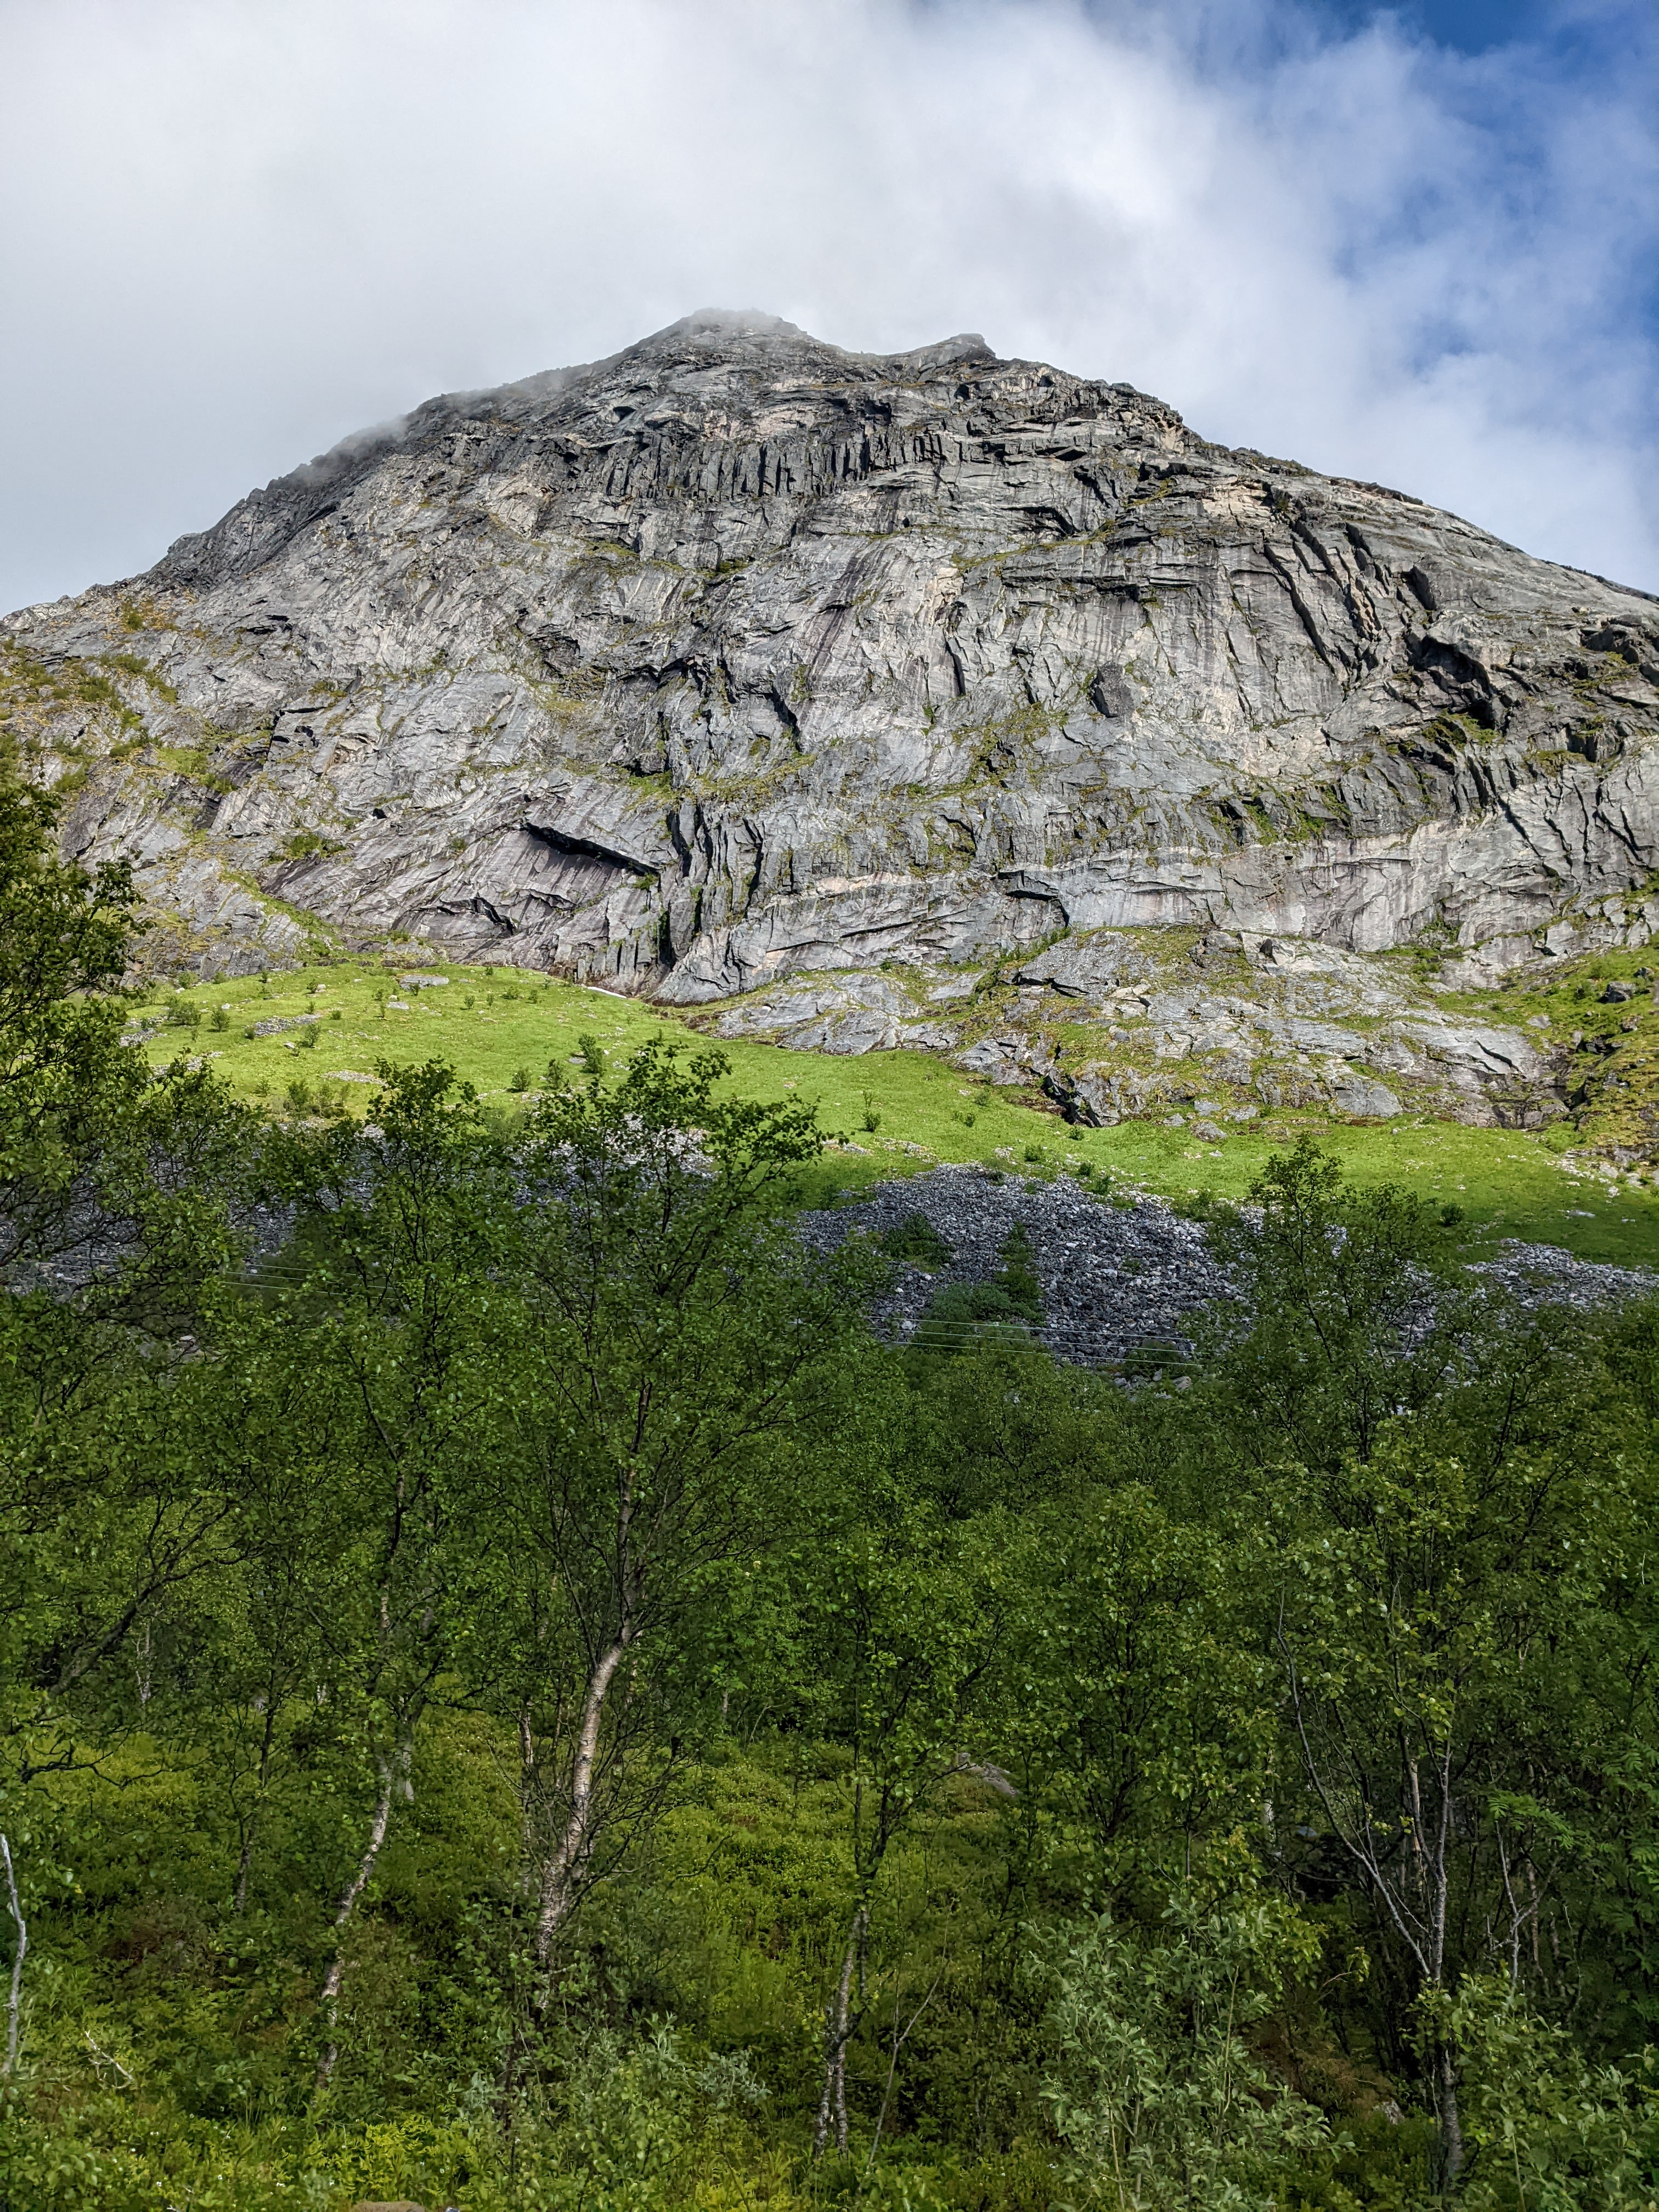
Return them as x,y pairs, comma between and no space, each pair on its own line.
1474,27
1419,245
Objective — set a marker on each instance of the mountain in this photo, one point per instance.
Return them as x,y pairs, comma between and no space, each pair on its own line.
738,655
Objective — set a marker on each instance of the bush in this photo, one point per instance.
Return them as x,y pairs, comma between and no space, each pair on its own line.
1543,2128
916,1239
1005,1307
1154,2090
518,1081
1018,1277
592,1053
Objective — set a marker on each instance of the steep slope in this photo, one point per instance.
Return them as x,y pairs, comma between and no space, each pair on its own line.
738,655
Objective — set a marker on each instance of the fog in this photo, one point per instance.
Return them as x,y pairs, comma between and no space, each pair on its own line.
231,234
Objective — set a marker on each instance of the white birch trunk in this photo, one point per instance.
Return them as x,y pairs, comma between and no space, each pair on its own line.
562,1869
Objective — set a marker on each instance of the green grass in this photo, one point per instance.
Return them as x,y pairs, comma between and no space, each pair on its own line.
724,1920
1508,1184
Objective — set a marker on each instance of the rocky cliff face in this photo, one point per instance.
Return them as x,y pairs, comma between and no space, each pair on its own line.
738,656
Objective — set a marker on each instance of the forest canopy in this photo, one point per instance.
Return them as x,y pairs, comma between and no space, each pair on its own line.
514,1694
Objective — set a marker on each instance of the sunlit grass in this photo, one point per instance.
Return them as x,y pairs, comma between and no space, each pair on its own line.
1508,1184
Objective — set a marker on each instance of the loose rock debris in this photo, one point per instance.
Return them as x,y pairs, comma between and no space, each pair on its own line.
1120,1278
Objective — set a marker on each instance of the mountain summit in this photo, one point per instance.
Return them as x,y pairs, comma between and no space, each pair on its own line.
738,655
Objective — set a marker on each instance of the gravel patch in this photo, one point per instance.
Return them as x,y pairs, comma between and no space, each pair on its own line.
1543,1274
1119,1277
1115,1277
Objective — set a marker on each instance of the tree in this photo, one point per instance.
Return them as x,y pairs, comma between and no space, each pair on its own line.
1351,1314
900,1620
65,937
1447,1630
676,1341
1147,1710
1460,1611
997,1423
114,1223
402,1235
1153,2087
111,1181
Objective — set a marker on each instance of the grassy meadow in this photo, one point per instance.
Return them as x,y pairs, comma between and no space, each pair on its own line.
501,1029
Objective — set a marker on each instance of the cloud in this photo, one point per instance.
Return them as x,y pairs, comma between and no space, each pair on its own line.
235,231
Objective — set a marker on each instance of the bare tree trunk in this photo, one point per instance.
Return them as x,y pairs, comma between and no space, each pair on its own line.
837,2022
1446,2112
387,1767
245,1857
14,1996
561,1871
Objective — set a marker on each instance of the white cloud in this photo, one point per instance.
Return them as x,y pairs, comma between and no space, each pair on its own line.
231,233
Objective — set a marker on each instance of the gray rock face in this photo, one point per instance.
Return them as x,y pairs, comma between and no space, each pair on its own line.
738,655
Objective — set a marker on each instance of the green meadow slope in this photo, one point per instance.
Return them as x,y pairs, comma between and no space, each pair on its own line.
899,1112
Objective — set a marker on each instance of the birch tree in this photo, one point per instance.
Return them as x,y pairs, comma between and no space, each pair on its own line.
392,1289
1441,1644
902,1621
677,1350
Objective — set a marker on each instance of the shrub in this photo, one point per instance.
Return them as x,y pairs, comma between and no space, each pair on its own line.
306,844
219,1018
592,1053
1156,2094
519,1080
871,1120
962,1311
299,1095
1018,1277
916,1239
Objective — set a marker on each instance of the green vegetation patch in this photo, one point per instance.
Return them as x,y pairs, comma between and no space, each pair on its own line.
492,1024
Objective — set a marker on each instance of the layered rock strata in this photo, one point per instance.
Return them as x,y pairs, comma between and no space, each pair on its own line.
738,656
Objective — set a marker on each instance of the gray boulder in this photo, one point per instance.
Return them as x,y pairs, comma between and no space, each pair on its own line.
1362,1095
